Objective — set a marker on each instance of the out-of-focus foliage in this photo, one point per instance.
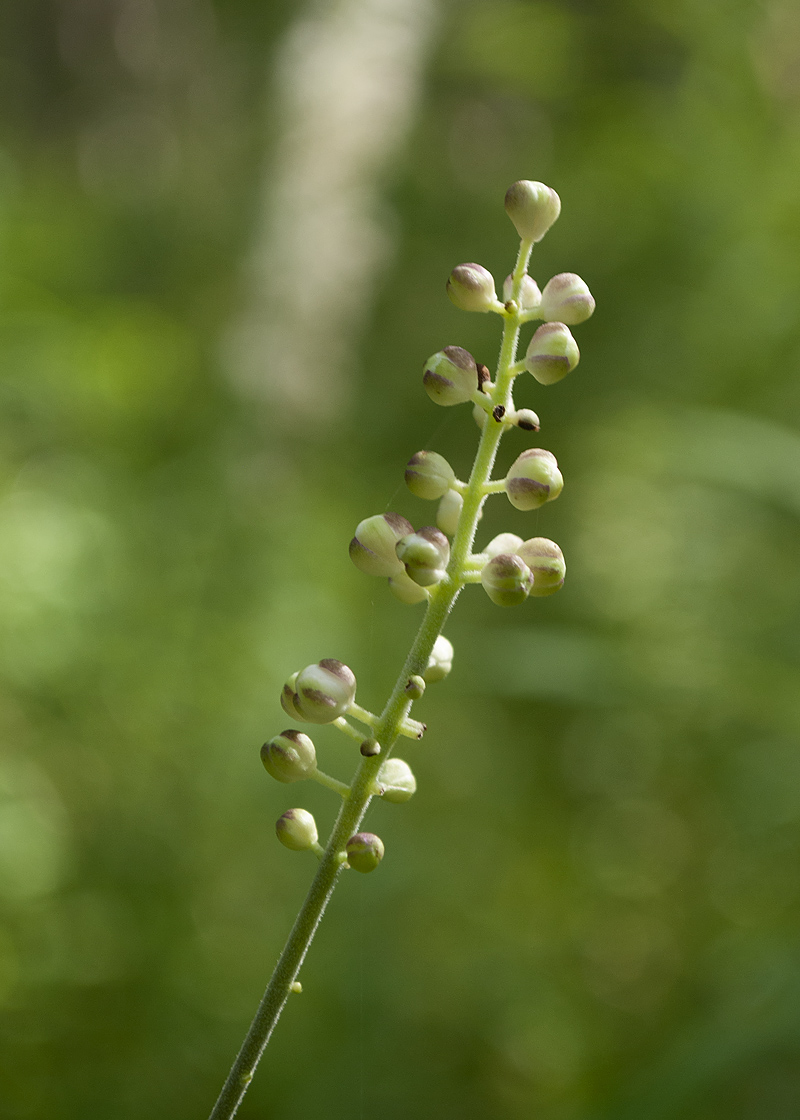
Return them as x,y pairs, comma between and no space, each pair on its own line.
590,908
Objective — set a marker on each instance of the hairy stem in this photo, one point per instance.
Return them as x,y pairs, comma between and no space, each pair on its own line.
385,728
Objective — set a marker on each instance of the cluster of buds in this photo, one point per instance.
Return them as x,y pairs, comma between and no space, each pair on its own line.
412,560
515,569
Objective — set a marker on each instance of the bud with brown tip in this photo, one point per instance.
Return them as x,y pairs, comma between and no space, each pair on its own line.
322,692
546,560
532,207
507,580
533,479
289,757
471,288
552,353
429,475
364,851
372,549
450,376
529,296
425,555
566,299
297,830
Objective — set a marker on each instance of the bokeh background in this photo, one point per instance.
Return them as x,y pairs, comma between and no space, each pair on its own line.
225,227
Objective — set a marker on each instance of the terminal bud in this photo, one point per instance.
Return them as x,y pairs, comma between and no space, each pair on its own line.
440,661
297,830
533,479
425,555
322,692
429,475
404,589
471,287
507,580
289,757
449,510
450,376
552,353
364,851
546,560
566,299
503,542
529,295
532,207
396,781
372,549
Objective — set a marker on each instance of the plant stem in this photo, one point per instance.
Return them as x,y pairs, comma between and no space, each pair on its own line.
385,729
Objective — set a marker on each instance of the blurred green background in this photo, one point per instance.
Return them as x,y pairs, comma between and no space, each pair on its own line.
225,229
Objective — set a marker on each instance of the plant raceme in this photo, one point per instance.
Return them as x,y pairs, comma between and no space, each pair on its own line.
428,565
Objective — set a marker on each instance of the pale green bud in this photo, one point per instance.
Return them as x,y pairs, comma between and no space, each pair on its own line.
532,207
370,747
546,560
415,687
297,830
525,418
404,588
534,478
552,353
288,697
471,287
364,851
529,295
566,299
322,692
440,661
507,580
396,780
503,542
479,416
372,549
449,511
425,555
289,757
450,376
429,475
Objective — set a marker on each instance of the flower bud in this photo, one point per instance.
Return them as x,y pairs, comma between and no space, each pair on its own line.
503,542
415,687
471,287
507,580
450,376
288,697
529,295
449,510
323,692
429,475
546,560
364,851
372,549
552,353
297,830
289,757
396,781
534,478
370,747
526,419
532,207
440,661
566,299
404,589
479,416
425,554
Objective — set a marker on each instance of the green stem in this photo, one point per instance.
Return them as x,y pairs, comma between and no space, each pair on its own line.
385,729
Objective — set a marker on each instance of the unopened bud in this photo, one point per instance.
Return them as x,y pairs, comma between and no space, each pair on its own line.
297,830
364,851
507,580
525,418
429,475
449,511
372,549
529,295
440,661
415,687
404,589
546,560
503,542
322,692
532,207
289,757
396,780
471,287
288,697
533,479
425,555
479,416
566,299
370,747
552,353
450,376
